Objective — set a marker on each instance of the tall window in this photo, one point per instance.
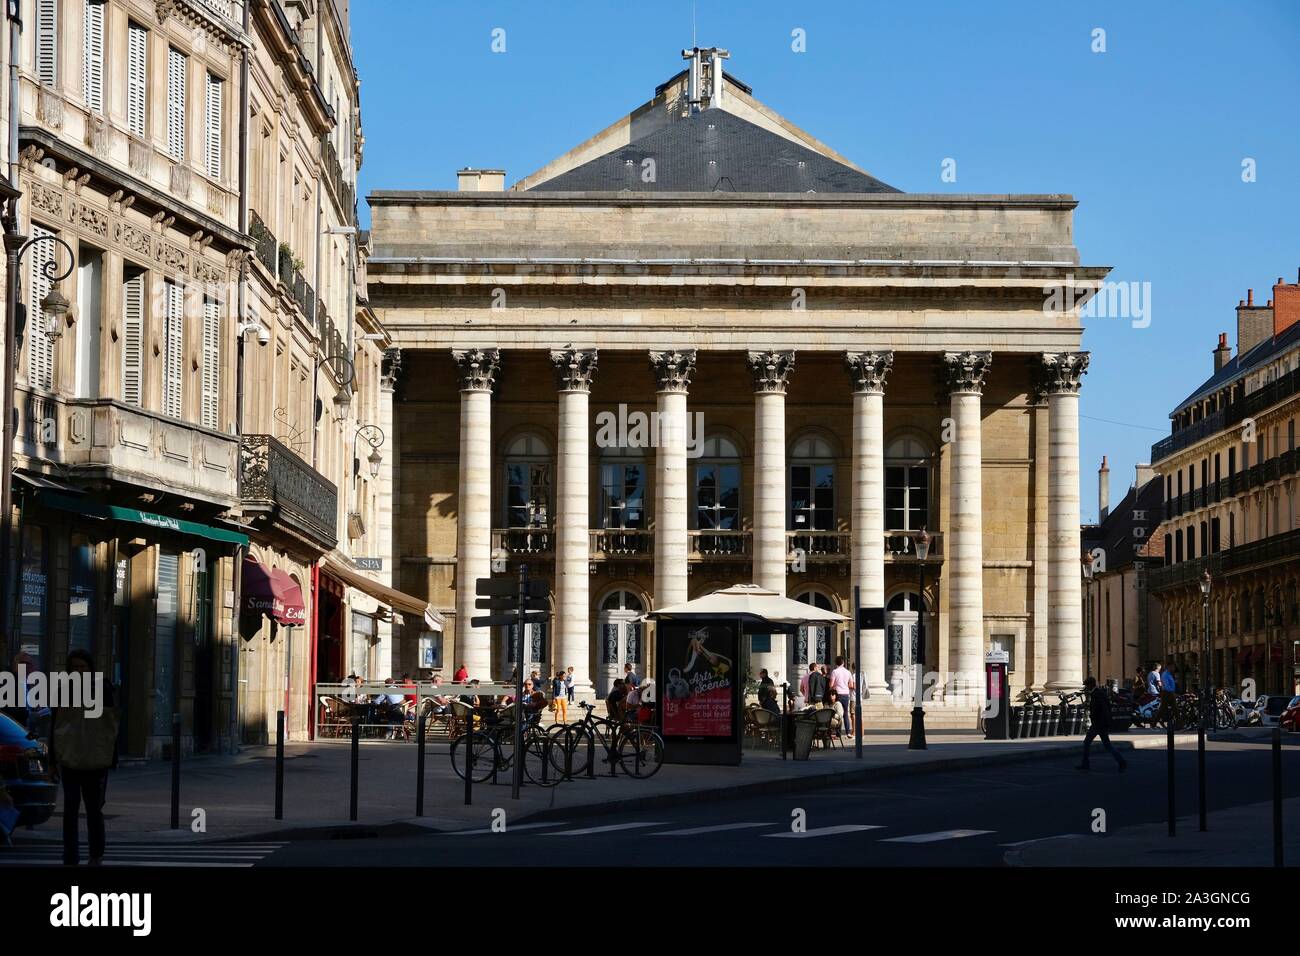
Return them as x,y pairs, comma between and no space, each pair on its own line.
133,336
907,485
622,493
210,406
137,77
528,483
173,366
212,125
177,81
47,42
92,61
812,485
813,644
40,347
717,493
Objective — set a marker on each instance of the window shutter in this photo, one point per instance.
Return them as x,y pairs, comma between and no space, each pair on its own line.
40,349
92,73
212,115
47,42
211,404
132,339
177,68
174,353
137,78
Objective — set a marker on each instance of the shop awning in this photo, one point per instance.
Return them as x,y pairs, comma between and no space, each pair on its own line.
397,600
271,592
94,509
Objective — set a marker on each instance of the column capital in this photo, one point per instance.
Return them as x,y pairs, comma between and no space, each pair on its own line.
477,368
390,370
868,370
1061,373
673,369
964,371
771,370
574,368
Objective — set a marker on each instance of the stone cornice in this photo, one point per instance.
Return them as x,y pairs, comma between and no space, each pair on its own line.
1061,373
574,368
964,371
771,370
673,369
477,368
868,370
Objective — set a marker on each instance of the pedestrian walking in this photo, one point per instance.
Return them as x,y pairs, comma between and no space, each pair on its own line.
568,684
1099,712
83,748
559,698
842,686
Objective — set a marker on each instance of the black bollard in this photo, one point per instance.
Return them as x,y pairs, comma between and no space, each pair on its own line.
176,771
419,765
1277,795
279,765
591,755
1169,750
356,760
469,758
1200,773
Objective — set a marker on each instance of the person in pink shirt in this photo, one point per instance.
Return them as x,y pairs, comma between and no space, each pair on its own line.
842,686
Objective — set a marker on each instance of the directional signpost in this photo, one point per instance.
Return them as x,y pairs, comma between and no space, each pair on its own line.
513,603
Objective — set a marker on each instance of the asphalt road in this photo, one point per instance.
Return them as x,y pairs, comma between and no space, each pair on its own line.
959,818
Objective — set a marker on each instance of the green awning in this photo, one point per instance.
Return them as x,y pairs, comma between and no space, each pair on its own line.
163,522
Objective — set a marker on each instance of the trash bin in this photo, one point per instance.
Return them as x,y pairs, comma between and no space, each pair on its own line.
805,728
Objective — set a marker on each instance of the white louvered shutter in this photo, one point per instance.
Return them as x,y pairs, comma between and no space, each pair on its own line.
132,339
40,349
212,121
177,68
92,63
137,77
210,410
47,42
174,353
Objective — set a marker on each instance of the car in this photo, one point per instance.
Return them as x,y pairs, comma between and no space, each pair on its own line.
1268,709
25,773
1290,719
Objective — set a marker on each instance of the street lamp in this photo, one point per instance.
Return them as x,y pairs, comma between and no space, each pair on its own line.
1206,675
917,739
374,436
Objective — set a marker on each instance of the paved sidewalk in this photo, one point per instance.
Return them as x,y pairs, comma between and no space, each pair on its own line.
236,793
1238,836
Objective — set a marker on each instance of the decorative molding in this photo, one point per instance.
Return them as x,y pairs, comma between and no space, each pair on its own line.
869,370
574,368
1061,373
477,368
964,371
771,370
673,369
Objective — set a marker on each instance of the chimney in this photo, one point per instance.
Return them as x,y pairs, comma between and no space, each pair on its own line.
1103,490
1145,473
1286,306
1222,354
1254,323
470,180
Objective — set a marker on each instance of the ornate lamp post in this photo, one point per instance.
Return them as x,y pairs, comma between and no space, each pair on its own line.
374,436
916,741
54,306
1206,674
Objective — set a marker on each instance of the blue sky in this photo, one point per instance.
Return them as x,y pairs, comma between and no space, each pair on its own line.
1149,136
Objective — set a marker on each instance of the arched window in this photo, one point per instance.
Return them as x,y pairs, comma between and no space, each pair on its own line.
812,485
528,483
907,485
618,634
717,496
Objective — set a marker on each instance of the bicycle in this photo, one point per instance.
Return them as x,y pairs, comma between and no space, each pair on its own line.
638,749
492,751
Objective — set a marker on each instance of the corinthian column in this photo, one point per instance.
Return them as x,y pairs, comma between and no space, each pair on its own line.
477,369
868,371
964,374
574,369
1062,374
673,372
771,371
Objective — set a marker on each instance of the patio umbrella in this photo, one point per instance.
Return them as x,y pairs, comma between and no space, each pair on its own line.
763,611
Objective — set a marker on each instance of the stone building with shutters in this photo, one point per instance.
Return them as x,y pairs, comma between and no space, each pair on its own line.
704,348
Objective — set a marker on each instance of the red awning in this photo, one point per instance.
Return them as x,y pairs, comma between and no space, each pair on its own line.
273,593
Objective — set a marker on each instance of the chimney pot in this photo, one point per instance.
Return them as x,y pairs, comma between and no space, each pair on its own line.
1250,296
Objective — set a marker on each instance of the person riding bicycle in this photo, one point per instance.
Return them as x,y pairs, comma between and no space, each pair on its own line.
1168,692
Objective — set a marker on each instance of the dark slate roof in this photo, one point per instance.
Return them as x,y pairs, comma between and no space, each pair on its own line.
1115,534
715,151
1239,365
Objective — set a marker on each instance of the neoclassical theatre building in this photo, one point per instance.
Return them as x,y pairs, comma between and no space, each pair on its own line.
704,348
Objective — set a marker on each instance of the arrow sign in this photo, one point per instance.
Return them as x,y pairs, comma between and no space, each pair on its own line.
509,619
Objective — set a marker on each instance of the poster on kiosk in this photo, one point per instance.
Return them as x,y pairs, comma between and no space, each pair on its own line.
700,675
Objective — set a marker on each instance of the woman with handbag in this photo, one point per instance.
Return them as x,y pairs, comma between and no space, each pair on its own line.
83,748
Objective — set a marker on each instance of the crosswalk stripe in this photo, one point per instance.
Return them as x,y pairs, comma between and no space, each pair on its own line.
715,829
936,837
605,829
510,828
825,831
215,864
1059,836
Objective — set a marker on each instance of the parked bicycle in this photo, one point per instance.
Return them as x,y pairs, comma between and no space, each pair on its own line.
637,748
492,750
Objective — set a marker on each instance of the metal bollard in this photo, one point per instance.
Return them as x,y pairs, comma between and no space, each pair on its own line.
419,765
1200,773
469,759
356,760
569,744
1277,795
279,765
1169,749
591,755
176,771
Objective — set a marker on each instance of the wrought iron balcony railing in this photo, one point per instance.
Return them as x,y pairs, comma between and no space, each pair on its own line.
277,482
